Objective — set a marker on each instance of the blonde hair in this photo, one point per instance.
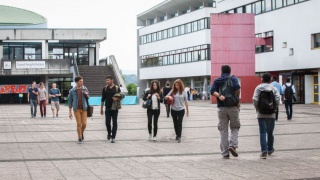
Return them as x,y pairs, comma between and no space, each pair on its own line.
181,86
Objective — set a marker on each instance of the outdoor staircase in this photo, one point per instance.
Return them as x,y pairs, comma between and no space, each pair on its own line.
94,77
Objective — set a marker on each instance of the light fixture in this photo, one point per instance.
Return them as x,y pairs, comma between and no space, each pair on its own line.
284,45
291,52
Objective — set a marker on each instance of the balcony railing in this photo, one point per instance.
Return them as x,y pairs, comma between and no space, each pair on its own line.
36,66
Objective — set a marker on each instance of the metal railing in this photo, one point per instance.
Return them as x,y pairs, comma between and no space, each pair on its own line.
118,75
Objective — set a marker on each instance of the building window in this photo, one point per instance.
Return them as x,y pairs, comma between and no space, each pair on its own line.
248,8
258,7
182,29
290,2
279,4
176,31
240,10
267,45
268,5
21,51
316,40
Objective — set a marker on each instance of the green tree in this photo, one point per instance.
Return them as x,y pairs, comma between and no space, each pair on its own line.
132,89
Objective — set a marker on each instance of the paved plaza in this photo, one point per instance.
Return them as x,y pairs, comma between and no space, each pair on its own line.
47,148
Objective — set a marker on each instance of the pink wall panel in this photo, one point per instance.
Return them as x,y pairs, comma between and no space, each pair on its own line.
225,31
232,44
225,57
243,19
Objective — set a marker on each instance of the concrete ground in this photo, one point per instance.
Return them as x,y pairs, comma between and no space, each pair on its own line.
47,148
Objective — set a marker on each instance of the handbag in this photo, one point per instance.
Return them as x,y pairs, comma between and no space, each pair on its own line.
170,102
89,109
147,104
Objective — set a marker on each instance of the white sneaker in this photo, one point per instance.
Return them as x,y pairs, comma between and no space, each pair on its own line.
150,137
155,138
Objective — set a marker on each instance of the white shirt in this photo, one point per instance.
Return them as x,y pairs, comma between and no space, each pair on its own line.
154,99
186,89
284,88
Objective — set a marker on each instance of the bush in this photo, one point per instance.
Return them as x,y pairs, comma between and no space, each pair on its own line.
132,89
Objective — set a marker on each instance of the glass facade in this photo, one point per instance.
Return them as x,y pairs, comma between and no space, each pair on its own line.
176,31
192,54
22,51
79,52
263,6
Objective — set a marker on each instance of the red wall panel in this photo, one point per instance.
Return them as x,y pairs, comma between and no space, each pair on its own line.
233,43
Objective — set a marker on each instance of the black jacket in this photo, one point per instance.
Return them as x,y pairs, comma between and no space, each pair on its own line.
159,100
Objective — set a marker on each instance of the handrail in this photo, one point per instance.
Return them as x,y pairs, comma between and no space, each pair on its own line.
118,74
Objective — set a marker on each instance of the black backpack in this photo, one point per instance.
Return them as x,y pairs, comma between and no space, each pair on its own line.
226,89
288,92
267,102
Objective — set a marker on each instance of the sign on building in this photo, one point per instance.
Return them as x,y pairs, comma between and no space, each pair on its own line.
7,65
30,64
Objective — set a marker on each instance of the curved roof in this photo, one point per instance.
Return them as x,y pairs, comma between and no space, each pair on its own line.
12,16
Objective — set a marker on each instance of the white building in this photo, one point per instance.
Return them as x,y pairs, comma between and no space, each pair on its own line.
287,44
29,51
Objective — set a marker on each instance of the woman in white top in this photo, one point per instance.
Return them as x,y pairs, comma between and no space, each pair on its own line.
43,96
180,104
154,111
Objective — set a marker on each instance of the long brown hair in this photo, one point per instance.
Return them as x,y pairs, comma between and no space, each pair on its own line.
152,91
181,86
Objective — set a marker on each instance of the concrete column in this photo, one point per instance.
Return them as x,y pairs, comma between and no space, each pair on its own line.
205,89
46,83
148,84
192,83
157,19
318,86
45,50
97,53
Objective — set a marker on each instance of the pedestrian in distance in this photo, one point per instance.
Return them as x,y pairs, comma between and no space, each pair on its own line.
107,100
33,99
166,91
279,88
266,99
288,93
153,112
179,107
43,96
54,94
226,89
78,98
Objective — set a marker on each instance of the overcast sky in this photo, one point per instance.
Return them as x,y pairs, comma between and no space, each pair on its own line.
118,16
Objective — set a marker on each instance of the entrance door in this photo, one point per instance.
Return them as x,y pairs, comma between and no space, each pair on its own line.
315,89
298,82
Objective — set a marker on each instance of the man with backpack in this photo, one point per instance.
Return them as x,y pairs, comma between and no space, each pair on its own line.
226,89
289,92
266,99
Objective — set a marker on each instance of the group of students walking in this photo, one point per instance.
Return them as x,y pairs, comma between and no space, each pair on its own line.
176,102
226,89
40,96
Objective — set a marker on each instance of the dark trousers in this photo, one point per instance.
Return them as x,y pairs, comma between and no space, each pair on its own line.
167,109
43,107
277,113
114,115
288,105
266,127
33,105
155,114
177,117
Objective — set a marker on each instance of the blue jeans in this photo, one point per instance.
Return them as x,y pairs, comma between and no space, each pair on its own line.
266,127
33,105
288,105
114,115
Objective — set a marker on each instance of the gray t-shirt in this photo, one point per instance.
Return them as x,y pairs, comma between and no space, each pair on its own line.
179,100
42,94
